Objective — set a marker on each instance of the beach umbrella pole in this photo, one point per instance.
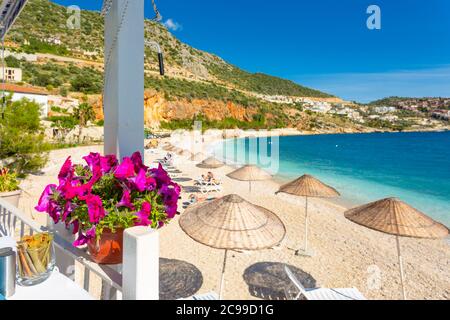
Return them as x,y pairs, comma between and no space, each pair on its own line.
305,248
306,225
400,263
222,278
249,186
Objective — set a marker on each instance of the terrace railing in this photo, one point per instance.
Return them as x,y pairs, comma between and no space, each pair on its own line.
140,267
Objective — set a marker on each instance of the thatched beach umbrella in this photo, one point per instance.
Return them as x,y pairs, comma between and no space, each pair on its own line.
308,186
231,223
250,173
210,163
395,217
178,151
168,147
199,156
185,153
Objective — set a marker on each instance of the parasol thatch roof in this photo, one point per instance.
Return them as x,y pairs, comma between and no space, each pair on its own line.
394,216
185,153
210,163
233,223
178,150
168,147
199,156
250,173
308,186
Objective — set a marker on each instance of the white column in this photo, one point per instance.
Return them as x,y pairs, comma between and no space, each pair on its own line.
124,88
140,273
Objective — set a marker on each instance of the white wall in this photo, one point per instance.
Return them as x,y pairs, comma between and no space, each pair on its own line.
20,55
41,99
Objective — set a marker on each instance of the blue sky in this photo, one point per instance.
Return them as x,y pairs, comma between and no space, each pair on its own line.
324,44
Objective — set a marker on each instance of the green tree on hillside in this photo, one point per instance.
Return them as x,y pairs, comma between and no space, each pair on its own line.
22,145
83,113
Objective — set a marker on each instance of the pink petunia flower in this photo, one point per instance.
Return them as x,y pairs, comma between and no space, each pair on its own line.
139,182
144,215
136,158
125,169
95,207
67,172
84,238
45,198
126,200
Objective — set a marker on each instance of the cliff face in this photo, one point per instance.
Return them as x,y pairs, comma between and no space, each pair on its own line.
157,109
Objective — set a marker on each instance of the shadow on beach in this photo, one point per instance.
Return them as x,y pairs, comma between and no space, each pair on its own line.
178,279
269,281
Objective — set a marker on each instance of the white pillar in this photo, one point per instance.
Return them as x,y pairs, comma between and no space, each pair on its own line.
124,85
140,273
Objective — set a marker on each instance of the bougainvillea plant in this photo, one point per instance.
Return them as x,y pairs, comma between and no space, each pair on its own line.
108,194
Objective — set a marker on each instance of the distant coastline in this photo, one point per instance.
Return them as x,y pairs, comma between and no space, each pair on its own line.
379,175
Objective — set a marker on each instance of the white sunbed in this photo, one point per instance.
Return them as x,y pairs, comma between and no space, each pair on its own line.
210,186
322,293
205,296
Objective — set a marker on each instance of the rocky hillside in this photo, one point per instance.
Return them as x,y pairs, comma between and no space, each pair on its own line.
198,85
43,20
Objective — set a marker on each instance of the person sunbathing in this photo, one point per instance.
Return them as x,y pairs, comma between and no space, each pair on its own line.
211,178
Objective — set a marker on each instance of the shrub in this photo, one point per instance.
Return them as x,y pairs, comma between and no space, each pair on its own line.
22,144
8,181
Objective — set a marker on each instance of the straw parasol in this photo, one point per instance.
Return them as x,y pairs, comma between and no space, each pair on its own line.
395,217
199,156
178,151
308,186
231,223
250,173
210,163
185,153
169,147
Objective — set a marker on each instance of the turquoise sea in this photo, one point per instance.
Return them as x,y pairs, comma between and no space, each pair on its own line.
414,167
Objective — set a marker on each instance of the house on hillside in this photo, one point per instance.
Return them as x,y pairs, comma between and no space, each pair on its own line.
11,74
33,94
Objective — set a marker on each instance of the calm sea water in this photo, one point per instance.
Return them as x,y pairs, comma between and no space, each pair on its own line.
364,167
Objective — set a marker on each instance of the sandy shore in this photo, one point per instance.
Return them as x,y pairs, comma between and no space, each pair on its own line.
345,254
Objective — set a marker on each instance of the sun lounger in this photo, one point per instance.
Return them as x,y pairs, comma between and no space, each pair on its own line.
322,293
210,186
206,296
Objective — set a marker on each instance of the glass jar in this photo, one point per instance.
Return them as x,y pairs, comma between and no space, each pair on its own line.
35,258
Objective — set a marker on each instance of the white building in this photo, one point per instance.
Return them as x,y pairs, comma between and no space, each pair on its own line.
384,109
11,74
53,40
29,57
32,94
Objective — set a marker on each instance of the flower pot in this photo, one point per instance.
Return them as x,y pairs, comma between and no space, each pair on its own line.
11,197
108,249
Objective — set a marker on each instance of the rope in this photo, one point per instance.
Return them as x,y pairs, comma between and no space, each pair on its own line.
106,8
158,16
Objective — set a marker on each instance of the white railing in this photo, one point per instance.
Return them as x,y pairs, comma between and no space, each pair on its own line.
140,266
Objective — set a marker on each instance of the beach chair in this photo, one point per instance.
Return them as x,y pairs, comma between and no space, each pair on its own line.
199,181
210,186
206,296
321,293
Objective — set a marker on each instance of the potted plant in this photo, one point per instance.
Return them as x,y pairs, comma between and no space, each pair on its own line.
9,187
102,198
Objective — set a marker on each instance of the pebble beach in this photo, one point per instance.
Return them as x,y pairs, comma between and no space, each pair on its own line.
344,254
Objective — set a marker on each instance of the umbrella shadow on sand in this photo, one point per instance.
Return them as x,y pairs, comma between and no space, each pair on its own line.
178,279
269,281
191,189
182,179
